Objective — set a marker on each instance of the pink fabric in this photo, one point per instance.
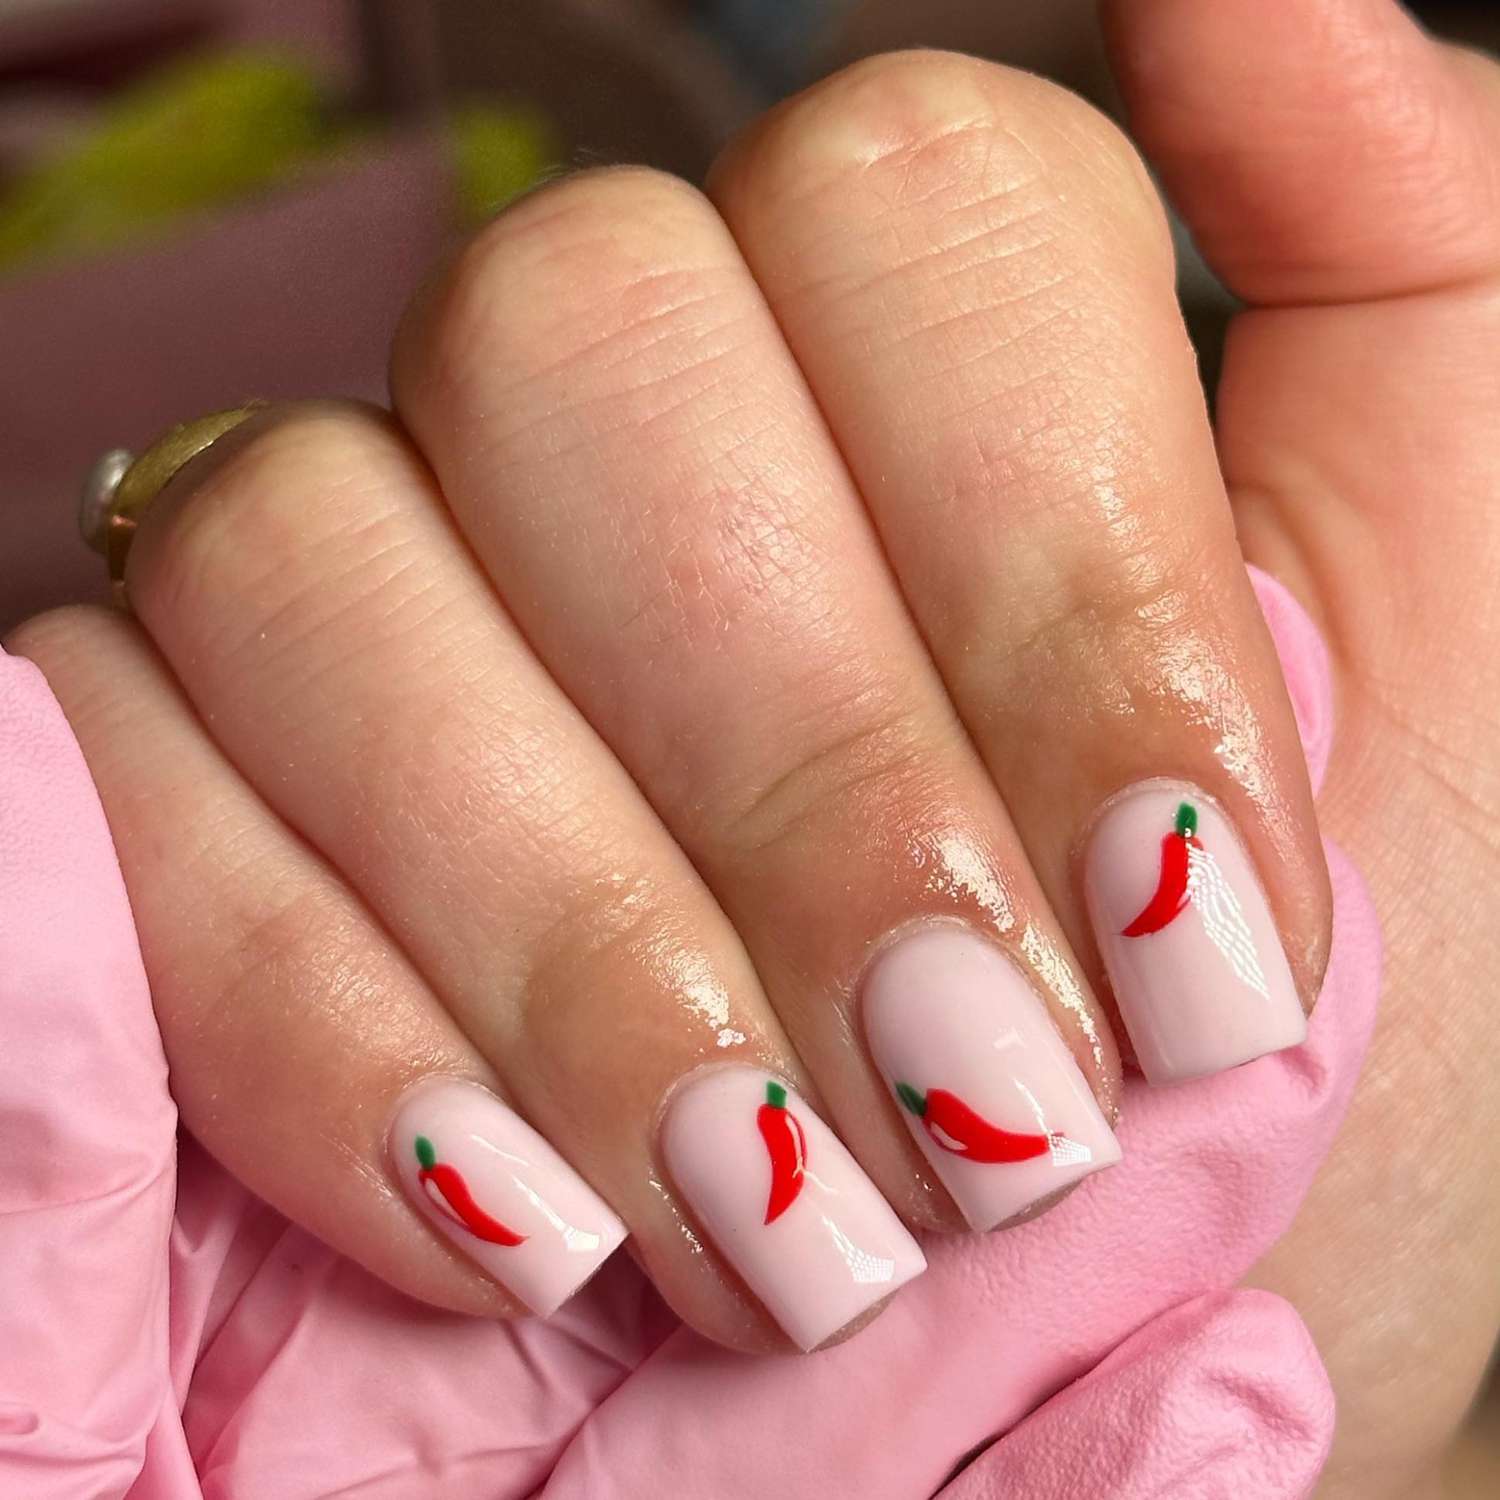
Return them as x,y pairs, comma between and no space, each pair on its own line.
1223,1398
224,1352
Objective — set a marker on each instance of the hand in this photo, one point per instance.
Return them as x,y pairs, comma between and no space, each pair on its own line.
737,591
270,1369
619,713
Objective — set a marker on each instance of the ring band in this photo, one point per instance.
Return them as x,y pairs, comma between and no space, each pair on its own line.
120,488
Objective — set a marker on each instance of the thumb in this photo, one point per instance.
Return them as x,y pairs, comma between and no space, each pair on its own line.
86,1175
1321,150
1221,1398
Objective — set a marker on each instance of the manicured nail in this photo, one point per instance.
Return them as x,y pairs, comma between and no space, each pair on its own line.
985,1082
1187,935
493,1186
784,1201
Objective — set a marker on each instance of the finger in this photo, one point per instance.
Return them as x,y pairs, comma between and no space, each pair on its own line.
1321,150
311,595
292,1023
715,601
992,333
86,1180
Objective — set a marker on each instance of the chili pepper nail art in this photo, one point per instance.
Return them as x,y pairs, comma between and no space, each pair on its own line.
1014,1121
774,1189
446,1187
1171,895
787,1145
1187,935
966,1133
489,1183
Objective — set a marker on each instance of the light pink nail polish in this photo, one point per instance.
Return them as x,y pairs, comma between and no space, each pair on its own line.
1187,936
485,1179
985,1082
784,1201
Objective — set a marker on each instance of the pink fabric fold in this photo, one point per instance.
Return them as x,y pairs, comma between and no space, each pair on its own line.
87,1152
225,1352
1223,1398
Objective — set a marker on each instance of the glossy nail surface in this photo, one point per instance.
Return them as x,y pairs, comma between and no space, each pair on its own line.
1187,935
985,1082
487,1181
784,1202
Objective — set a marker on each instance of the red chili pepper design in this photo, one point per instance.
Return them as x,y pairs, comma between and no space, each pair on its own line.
787,1146
959,1129
1172,886
448,1190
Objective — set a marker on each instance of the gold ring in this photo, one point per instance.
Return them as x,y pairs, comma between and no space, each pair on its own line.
120,487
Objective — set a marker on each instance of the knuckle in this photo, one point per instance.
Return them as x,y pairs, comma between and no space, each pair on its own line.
58,638
274,944
91,659
641,943
577,214
1128,605
275,479
590,266
749,574
255,526
861,763
594,928
472,765
299,953
931,132
1055,436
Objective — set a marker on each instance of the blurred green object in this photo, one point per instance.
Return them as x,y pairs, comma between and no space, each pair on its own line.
208,131
193,136
497,154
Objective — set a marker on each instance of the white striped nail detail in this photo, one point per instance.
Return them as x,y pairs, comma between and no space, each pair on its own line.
1187,935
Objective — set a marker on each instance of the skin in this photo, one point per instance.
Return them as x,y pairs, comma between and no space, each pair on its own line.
619,693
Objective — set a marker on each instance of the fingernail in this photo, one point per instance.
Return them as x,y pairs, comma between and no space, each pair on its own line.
1187,935
784,1201
985,1082
487,1181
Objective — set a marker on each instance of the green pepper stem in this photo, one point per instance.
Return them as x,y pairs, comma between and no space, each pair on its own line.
915,1102
775,1094
1187,820
425,1154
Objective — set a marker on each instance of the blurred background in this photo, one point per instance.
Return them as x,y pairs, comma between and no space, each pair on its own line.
207,200
203,201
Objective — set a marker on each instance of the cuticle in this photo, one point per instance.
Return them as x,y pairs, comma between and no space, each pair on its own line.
704,1070
893,936
1106,1092
1131,788
418,1085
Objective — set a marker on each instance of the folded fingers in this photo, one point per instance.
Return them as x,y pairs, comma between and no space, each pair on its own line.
777,644
624,437
309,591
